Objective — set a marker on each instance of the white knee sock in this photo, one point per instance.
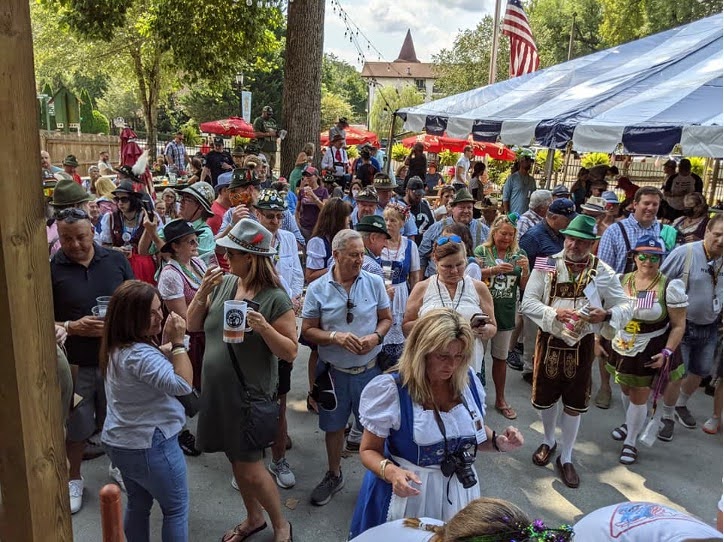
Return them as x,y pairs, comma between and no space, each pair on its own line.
635,419
569,429
549,418
625,400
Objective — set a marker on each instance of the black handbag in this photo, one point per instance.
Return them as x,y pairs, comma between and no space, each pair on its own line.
190,402
260,428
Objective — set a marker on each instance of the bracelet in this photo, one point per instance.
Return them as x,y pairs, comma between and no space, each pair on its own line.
495,444
178,351
174,346
383,466
667,353
332,336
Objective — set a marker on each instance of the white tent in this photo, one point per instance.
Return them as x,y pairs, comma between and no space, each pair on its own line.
649,95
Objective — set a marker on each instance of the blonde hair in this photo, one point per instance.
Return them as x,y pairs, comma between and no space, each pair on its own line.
393,212
498,223
105,187
434,332
480,517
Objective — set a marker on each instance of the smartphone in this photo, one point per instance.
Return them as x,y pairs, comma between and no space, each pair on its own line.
479,320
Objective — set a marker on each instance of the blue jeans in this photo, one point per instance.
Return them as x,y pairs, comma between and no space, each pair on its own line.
698,347
159,473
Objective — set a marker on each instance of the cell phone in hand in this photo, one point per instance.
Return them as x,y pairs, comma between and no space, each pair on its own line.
479,320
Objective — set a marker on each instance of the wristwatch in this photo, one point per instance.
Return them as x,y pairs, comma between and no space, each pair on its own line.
380,337
609,312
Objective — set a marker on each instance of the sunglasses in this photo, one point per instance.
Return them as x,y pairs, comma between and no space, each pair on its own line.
121,200
450,239
272,216
653,258
350,306
73,214
611,206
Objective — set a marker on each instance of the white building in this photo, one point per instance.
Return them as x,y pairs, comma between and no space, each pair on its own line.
406,70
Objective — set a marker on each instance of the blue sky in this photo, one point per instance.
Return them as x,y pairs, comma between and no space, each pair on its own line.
385,24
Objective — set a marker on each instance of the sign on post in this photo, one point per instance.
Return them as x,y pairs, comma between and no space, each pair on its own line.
246,105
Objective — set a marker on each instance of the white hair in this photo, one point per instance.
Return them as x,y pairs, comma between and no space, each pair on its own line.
540,198
340,240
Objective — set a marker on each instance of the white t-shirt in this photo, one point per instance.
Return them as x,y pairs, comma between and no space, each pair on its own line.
464,163
641,522
395,530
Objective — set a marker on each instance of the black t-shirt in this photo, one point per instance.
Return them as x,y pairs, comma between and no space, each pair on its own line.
366,174
417,166
75,289
214,160
423,218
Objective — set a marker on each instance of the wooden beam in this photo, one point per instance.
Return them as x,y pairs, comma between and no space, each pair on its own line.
33,473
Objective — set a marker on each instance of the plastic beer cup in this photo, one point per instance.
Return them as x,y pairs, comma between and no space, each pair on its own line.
234,321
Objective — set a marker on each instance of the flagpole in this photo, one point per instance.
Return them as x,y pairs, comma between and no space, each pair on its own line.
494,51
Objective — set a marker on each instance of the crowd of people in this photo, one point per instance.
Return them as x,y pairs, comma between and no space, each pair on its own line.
400,300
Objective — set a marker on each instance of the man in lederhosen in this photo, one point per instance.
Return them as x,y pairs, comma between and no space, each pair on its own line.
557,289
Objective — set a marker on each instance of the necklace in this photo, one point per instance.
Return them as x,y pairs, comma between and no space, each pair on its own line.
192,276
393,259
439,293
632,284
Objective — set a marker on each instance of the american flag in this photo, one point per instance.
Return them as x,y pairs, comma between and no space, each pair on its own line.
545,264
523,52
645,300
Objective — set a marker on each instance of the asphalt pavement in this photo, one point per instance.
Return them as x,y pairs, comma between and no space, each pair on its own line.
685,473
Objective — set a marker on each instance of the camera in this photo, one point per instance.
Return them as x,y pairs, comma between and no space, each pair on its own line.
460,463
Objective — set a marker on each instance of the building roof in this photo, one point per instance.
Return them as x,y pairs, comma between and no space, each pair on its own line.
407,53
398,70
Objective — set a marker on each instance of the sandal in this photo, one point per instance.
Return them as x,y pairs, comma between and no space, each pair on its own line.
507,411
237,535
620,433
291,533
629,454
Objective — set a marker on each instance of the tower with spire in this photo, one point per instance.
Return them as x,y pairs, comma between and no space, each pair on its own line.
403,71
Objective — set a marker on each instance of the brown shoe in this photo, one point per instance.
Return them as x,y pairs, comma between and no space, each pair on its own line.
542,455
568,473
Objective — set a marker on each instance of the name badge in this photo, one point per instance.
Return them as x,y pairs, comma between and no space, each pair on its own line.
716,304
479,426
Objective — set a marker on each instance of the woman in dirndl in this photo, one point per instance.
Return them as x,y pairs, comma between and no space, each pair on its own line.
401,260
646,349
423,427
122,229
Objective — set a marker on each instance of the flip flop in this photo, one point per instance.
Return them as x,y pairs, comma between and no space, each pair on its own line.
242,535
507,412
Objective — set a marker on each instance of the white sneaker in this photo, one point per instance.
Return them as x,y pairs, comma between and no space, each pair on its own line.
283,473
115,475
75,488
711,425
233,483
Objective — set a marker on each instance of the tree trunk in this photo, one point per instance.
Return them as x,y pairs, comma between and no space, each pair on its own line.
302,79
149,87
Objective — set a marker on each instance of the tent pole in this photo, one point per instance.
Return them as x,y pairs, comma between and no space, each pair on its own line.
566,161
549,167
713,182
570,39
388,150
494,51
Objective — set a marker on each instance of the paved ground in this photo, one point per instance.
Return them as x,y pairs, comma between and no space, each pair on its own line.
685,473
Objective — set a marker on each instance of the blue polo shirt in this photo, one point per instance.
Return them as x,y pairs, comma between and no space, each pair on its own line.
541,240
327,300
75,288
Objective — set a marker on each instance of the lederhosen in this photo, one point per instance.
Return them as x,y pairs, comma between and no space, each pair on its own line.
561,370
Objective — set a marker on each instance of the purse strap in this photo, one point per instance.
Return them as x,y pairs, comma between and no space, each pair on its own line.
237,369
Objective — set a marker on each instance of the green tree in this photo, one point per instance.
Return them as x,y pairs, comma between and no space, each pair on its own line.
100,123
86,112
343,80
332,107
465,66
387,101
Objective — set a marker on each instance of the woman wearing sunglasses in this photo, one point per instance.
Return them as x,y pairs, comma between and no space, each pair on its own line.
451,288
505,270
646,348
122,230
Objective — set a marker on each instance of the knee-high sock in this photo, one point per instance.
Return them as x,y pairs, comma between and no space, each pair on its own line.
635,419
569,429
549,418
626,402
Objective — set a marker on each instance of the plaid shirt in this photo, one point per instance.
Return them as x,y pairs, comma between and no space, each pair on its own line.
176,154
612,247
527,220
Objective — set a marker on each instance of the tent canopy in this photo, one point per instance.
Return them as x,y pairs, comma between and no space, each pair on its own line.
650,95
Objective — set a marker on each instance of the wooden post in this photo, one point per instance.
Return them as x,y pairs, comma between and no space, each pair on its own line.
33,472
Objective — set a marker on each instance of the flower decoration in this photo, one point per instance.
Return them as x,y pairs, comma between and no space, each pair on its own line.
400,207
536,531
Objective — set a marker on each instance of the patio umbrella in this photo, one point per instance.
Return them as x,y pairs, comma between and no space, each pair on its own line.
437,144
128,157
233,126
355,136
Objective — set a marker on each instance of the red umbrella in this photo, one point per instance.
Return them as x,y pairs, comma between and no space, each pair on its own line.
127,135
437,144
355,136
233,126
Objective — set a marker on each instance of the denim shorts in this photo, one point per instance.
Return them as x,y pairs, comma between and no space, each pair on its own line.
699,346
348,389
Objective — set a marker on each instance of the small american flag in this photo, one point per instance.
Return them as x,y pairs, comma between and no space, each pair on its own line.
645,300
545,264
523,52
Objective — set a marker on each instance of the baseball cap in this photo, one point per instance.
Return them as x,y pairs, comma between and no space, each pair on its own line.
563,207
415,183
223,181
309,171
218,140
267,109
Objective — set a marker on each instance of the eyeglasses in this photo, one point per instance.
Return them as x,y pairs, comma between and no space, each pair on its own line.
450,239
350,306
121,200
71,215
273,216
193,242
229,253
653,258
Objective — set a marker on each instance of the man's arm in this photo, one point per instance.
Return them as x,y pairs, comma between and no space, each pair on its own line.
428,239
611,248
533,306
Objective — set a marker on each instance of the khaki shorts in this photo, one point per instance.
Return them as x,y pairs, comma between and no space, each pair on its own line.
500,344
